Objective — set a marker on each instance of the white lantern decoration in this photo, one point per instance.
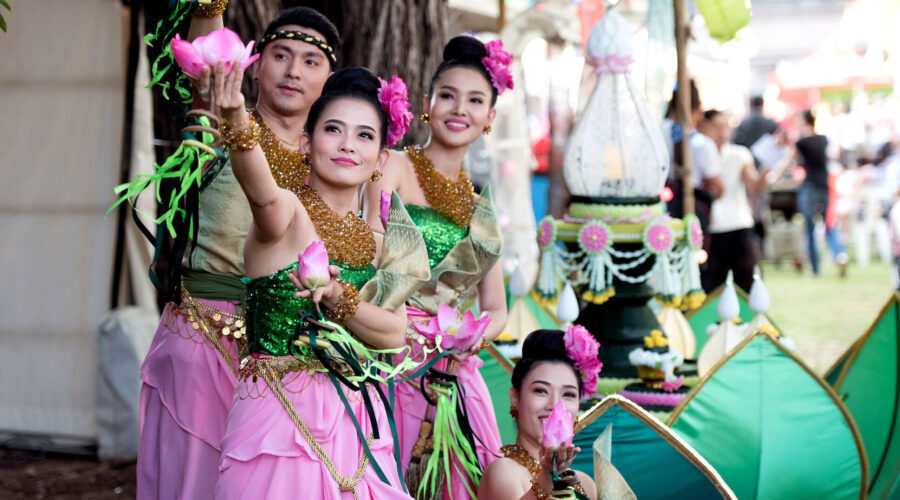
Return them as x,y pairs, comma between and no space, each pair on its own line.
616,149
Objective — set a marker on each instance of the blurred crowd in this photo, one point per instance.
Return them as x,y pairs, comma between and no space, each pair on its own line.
822,178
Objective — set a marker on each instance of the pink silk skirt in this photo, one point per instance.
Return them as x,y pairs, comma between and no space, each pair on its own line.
410,407
185,399
265,454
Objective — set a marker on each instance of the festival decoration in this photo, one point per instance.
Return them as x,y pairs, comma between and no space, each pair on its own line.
788,434
654,461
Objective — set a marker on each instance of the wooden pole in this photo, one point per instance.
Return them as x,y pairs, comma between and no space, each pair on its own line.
501,16
684,105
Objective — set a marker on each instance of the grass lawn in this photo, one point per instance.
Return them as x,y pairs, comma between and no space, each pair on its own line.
825,315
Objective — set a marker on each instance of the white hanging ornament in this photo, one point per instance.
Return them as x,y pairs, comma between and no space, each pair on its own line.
517,285
567,309
759,295
727,335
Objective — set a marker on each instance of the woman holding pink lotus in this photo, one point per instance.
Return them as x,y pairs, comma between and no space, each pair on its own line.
464,245
308,419
555,371
190,372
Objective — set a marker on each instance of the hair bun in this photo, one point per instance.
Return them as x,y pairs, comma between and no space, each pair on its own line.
544,345
352,79
464,48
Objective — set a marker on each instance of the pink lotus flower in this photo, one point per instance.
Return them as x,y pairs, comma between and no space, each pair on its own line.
446,330
394,99
385,207
312,266
558,427
497,64
220,45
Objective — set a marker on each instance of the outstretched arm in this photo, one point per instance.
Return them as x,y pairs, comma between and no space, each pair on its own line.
273,208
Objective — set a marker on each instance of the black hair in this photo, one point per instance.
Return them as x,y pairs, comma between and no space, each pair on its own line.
308,18
542,346
357,83
464,52
809,118
709,114
756,102
695,100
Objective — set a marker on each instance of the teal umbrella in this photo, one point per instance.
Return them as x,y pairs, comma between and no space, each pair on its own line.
772,427
869,384
653,460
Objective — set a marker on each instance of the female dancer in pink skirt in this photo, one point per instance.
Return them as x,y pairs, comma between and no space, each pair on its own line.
308,418
189,374
463,239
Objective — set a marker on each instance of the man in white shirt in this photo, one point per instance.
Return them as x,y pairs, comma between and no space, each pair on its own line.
733,244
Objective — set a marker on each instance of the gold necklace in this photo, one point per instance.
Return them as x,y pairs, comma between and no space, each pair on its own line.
287,165
348,240
456,200
525,459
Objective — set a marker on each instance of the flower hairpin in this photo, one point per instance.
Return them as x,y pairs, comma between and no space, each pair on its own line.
394,101
497,64
582,348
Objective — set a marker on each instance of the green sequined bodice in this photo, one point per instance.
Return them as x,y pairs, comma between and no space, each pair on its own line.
439,232
273,313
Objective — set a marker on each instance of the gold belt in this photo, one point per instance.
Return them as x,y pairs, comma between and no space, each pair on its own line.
254,367
218,321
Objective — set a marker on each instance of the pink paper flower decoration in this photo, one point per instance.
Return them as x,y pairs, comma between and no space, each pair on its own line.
497,64
394,99
546,233
558,427
658,237
220,45
673,386
385,207
594,237
582,348
312,266
449,332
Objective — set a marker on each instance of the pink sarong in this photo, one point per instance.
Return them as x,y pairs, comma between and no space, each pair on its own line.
265,454
185,399
410,407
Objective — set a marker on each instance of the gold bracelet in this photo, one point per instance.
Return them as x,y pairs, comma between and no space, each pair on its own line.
212,9
346,305
243,139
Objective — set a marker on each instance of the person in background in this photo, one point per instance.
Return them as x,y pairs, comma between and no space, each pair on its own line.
753,127
812,198
706,176
733,241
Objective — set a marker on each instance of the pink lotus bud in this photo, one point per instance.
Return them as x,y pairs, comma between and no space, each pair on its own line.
385,207
558,427
187,56
312,266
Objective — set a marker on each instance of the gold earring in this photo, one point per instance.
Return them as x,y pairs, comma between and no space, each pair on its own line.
375,176
486,130
514,412
425,117
304,160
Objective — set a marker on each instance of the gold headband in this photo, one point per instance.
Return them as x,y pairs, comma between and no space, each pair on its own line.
297,35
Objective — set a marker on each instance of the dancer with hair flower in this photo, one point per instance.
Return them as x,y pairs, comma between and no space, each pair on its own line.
447,421
309,417
189,373
555,371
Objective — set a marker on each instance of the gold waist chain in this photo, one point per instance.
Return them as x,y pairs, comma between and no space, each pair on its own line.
273,380
213,323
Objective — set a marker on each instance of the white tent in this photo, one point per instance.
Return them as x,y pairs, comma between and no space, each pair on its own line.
62,87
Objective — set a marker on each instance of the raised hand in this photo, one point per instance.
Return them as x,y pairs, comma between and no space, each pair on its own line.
227,85
332,288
